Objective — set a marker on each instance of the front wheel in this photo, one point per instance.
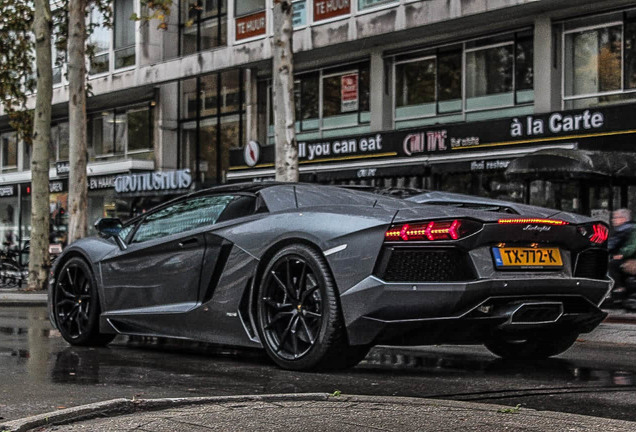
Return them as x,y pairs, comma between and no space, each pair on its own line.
298,313
536,347
76,305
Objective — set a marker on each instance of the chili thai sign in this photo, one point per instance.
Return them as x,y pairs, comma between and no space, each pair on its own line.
601,128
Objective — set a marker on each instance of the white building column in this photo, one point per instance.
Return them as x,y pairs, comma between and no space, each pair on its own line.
379,94
166,128
546,75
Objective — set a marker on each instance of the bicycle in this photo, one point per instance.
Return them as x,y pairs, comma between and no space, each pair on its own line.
12,273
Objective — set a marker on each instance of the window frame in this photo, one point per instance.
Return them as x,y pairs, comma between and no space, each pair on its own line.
564,33
111,49
323,73
462,48
199,22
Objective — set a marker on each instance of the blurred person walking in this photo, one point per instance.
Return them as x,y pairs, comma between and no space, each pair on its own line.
621,247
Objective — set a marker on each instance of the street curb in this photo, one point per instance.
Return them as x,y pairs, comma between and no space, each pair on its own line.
23,299
121,406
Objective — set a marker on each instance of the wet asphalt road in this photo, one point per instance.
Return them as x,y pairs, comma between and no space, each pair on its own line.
39,373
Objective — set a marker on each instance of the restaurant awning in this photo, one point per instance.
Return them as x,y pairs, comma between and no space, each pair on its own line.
573,164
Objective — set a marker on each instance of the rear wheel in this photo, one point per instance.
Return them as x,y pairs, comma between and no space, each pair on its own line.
298,313
537,347
76,305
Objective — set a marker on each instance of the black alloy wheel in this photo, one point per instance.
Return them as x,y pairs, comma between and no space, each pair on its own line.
293,312
299,318
76,305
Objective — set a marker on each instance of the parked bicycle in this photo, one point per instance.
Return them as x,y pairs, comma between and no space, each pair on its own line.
13,265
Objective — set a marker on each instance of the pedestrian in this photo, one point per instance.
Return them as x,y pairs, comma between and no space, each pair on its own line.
627,257
623,227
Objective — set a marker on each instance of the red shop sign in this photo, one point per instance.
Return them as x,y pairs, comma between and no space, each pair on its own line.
349,92
250,26
325,9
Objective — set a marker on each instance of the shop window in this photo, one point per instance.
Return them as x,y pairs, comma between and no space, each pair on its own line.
100,42
599,61
343,94
57,57
299,13
113,47
203,25
246,7
124,29
498,73
9,151
121,133
365,4
489,77
211,123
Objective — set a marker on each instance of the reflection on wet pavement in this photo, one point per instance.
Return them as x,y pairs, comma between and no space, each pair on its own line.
42,373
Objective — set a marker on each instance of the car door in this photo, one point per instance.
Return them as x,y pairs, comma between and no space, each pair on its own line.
161,267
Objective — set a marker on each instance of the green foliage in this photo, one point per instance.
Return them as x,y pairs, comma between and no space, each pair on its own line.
17,54
155,9
17,60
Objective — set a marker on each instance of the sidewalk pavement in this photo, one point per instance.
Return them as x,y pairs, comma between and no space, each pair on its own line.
307,412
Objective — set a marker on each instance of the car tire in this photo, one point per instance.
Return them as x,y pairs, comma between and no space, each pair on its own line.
298,313
76,305
535,348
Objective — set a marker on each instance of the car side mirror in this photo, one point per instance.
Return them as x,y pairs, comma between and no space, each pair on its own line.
111,227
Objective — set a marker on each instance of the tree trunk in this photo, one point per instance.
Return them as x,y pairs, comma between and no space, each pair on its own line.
77,196
39,263
283,88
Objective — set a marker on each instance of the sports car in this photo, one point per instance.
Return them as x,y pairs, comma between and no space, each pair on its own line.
317,275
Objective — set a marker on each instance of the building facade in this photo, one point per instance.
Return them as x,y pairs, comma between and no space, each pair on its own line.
527,100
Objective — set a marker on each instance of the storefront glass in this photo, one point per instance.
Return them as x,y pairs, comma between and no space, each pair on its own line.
498,73
8,152
212,122
343,94
9,218
599,58
121,133
245,7
203,25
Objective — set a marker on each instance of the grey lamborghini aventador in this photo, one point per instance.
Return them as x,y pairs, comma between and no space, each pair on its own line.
316,275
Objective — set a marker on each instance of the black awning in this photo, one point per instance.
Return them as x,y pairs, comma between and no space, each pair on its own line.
573,164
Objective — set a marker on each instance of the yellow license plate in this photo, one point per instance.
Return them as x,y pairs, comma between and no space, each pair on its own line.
521,257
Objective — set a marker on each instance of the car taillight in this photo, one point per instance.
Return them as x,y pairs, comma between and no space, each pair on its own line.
532,221
597,233
433,230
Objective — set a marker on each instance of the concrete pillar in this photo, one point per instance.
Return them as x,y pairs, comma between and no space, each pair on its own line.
546,75
380,96
167,127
